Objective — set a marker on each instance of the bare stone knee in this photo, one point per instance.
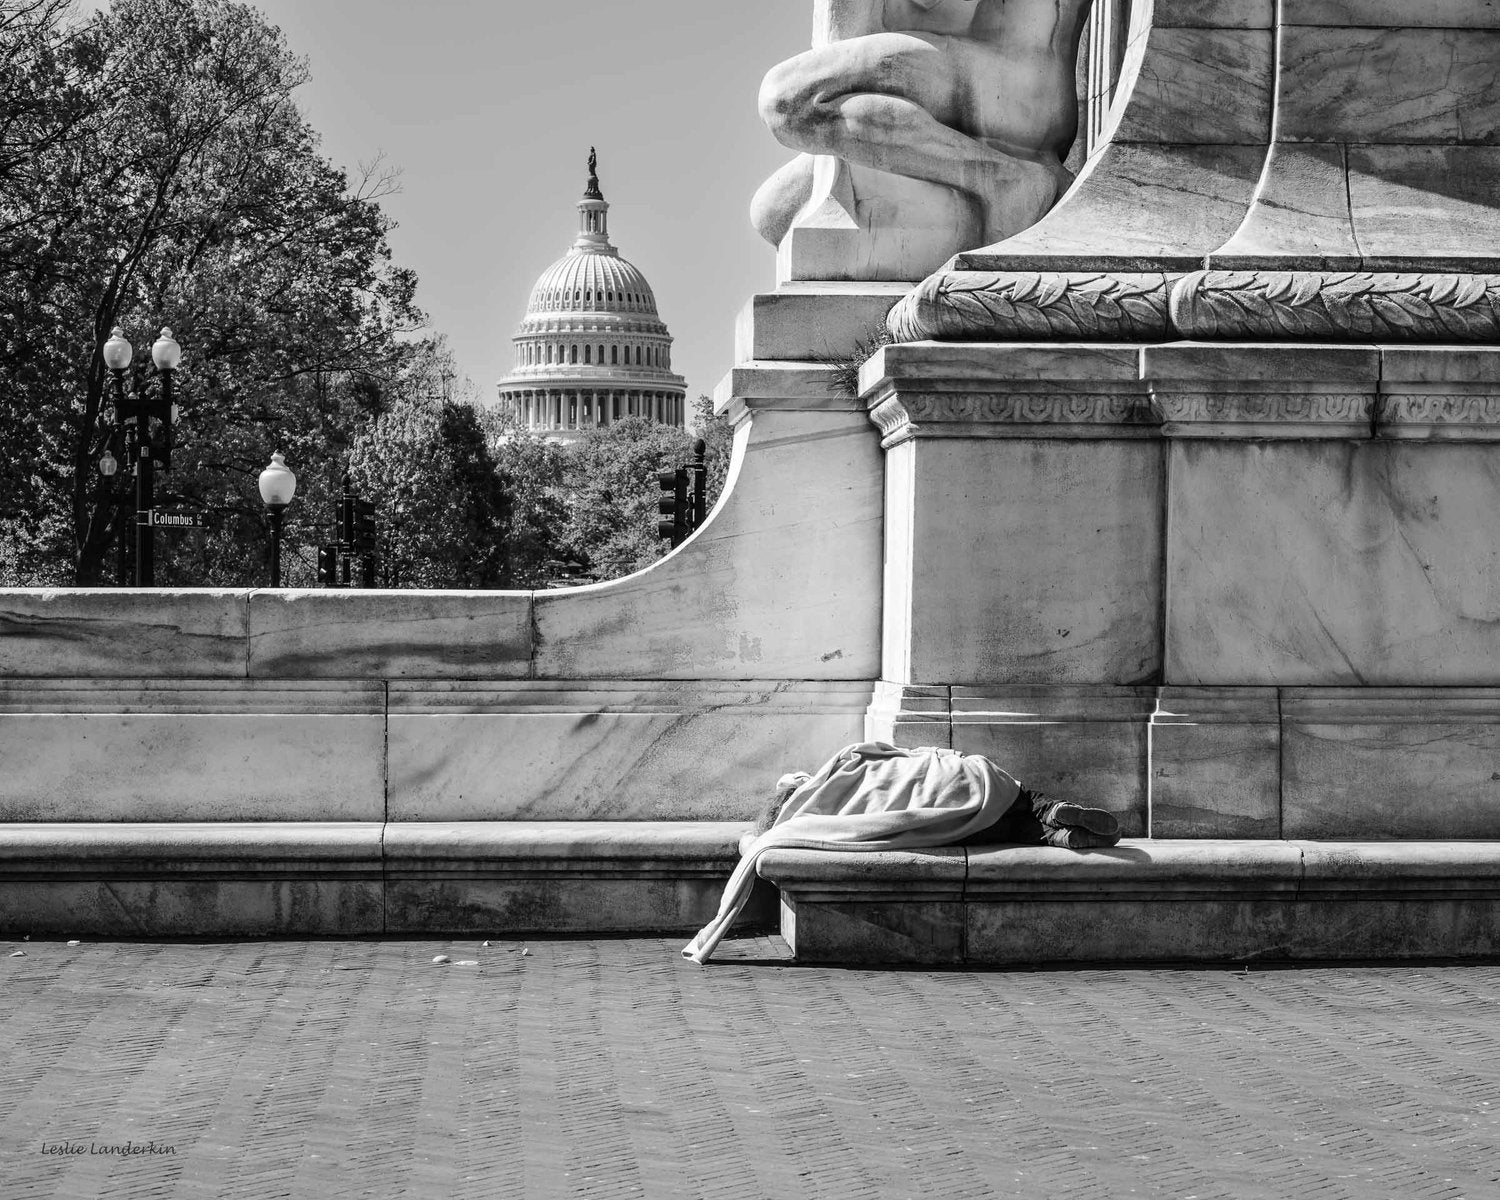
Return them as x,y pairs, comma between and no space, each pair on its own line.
797,101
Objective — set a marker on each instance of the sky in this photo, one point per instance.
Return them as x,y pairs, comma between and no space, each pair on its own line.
489,107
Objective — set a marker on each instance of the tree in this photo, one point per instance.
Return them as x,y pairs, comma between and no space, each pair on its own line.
718,437
612,494
531,470
165,176
440,505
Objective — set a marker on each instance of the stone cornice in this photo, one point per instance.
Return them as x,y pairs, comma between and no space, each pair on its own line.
1281,390
1300,414
1444,416
1263,391
1035,390
1012,414
1326,306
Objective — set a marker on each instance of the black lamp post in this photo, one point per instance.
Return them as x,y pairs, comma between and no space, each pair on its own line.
134,411
277,487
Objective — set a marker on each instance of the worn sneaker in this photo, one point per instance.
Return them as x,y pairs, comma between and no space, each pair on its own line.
1095,820
1073,837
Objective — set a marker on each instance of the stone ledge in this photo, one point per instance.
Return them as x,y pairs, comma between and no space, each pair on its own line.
664,846
185,846
939,870
1146,864
1147,900
812,322
352,878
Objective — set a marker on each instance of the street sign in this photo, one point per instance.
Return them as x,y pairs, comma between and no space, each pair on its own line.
156,519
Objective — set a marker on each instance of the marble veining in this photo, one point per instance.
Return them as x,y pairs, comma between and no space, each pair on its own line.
1434,85
1360,578
1201,86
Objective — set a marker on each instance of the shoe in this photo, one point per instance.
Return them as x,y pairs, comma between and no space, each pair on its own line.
1072,837
1095,820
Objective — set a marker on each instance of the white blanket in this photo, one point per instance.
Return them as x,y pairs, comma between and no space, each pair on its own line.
872,796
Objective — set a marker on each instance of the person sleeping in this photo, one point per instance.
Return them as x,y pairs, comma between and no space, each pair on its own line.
876,796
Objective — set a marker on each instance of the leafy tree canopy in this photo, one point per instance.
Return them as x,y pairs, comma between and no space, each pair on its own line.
155,171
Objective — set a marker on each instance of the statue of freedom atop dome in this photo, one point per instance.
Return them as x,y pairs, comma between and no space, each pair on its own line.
975,95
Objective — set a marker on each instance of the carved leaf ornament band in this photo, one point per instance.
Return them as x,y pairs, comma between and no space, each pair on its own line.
1210,305
1065,306
1346,306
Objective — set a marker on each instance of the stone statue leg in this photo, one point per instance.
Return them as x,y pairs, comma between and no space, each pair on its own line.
906,103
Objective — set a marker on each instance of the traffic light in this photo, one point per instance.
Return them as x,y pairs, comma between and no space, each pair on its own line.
344,525
673,505
363,535
328,566
699,469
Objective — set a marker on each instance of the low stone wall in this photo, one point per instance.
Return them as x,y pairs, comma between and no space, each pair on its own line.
680,693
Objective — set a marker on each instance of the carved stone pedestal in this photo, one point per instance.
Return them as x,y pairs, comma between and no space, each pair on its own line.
1225,591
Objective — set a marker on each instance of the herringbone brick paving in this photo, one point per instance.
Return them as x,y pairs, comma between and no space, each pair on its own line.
612,1068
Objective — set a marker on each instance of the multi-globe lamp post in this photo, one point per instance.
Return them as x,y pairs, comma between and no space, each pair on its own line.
134,411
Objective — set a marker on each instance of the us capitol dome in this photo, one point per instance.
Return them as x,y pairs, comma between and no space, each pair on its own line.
591,348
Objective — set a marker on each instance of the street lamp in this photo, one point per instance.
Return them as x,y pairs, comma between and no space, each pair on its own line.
134,412
277,487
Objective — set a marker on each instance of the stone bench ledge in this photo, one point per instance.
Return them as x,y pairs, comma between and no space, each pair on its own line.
1147,865
873,874
355,878
1142,901
32,845
544,845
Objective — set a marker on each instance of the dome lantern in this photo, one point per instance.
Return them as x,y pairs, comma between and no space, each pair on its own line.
593,214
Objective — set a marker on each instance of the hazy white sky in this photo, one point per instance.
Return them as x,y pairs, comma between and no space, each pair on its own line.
489,108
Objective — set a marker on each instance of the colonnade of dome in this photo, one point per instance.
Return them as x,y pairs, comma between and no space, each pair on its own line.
591,349
550,410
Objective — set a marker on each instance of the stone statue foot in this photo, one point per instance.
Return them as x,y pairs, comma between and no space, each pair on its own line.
1023,192
1095,820
778,201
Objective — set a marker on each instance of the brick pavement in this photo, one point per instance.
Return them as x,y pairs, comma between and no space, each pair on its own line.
601,1068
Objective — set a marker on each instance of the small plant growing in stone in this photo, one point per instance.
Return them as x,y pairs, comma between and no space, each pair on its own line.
845,379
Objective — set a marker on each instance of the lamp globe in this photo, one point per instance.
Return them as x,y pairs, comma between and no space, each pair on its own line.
117,351
165,352
277,483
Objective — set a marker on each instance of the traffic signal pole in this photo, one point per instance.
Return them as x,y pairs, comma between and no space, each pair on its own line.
356,535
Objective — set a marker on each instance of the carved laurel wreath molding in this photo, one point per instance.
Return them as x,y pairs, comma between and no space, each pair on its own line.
1343,306
1040,305
1352,306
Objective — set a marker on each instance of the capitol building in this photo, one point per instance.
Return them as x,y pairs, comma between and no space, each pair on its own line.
592,349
